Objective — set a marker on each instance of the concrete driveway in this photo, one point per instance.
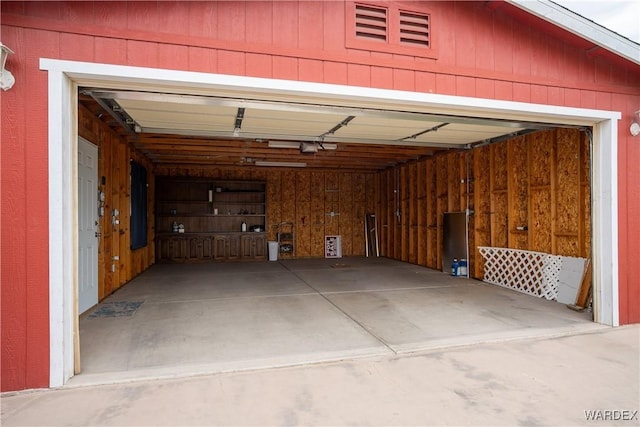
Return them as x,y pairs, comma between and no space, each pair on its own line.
590,379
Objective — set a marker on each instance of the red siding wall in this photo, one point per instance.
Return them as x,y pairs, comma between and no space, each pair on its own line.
483,50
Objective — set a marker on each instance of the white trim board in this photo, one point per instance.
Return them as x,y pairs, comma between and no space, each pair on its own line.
66,76
582,27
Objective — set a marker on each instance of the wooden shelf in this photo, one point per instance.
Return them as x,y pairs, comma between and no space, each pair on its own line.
239,192
238,202
207,214
184,202
210,234
195,204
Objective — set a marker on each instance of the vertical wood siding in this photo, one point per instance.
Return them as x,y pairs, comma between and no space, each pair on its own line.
307,203
113,165
482,51
509,189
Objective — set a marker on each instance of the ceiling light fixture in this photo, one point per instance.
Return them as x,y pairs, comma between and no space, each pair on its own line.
281,164
284,144
308,147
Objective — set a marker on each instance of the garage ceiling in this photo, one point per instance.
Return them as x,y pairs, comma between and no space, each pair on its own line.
178,129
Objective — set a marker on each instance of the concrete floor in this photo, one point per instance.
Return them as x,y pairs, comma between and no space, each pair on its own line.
213,318
537,382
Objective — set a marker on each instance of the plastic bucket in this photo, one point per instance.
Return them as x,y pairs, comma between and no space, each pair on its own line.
273,251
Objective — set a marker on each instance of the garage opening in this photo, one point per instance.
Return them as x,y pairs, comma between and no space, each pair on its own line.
356,161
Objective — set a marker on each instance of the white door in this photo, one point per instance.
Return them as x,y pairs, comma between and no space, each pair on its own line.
88,236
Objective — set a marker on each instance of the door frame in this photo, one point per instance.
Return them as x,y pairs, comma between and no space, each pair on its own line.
64,77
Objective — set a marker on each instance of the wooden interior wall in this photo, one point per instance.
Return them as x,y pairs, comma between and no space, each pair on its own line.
531,192
113,164
318,203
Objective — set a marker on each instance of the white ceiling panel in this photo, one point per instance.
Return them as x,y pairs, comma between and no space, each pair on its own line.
165,120
288,123
460,134
199,115
139,105
169,115
384,129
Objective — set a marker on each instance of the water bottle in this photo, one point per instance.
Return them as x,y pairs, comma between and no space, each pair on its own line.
454,267
462,269
244,226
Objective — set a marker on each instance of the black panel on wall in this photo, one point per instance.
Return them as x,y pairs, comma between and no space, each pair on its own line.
138,206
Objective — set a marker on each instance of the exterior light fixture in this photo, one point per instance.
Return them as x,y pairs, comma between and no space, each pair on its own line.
635,125
6,78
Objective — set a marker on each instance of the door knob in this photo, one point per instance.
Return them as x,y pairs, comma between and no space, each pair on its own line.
98,234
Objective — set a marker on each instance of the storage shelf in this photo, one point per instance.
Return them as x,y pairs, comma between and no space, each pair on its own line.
192,214
238,192
209,233
184,201
238,203
191,202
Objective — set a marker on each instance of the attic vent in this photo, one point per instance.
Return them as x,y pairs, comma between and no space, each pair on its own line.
414,29
371,22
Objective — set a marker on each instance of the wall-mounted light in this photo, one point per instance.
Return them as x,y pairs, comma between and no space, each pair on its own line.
6,78
635,125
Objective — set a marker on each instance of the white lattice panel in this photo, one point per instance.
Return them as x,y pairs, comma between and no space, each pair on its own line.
533,273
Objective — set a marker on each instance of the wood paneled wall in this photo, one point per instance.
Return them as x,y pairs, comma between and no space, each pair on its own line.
531,192
113,164
318,203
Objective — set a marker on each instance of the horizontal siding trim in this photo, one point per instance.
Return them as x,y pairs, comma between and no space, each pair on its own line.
401,62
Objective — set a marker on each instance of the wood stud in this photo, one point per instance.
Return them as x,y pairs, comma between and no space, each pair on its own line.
531,193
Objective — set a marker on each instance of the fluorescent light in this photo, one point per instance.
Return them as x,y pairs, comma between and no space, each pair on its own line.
284,144
281,164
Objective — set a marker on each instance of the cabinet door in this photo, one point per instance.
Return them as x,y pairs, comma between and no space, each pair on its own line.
178,249
207,248
260,247
246,250
195,248
253,247
220,248
233,245
162,250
